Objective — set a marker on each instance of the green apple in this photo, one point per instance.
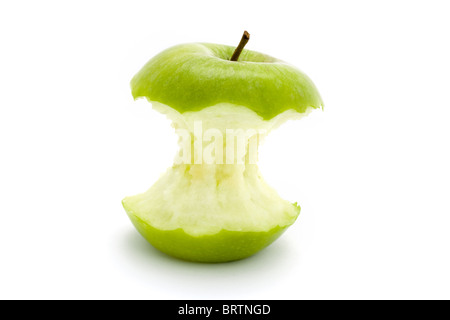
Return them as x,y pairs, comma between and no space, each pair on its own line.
219,210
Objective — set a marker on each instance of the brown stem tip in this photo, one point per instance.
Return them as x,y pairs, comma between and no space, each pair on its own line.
240,47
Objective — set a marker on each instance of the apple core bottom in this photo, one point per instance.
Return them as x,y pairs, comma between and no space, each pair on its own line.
213,211
223,246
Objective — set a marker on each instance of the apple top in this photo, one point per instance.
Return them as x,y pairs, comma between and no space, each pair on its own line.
191,77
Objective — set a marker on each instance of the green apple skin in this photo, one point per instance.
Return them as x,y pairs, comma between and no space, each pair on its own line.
190,77
224,246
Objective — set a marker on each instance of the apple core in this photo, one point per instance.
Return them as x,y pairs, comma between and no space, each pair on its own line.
213,205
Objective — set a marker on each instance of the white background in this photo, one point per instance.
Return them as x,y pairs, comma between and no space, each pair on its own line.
371,172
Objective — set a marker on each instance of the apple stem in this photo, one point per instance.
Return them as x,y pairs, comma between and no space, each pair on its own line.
240,47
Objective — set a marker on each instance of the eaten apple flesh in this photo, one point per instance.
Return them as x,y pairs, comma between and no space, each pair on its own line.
214,206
